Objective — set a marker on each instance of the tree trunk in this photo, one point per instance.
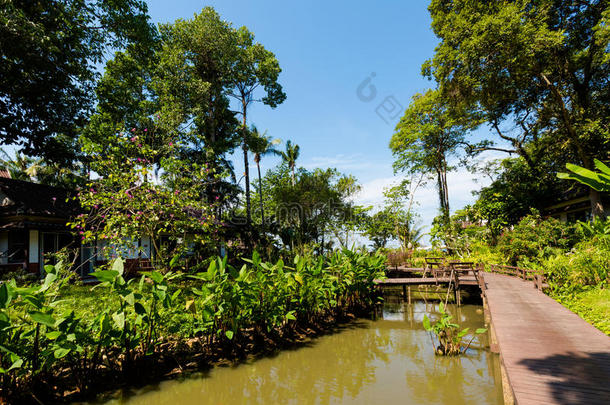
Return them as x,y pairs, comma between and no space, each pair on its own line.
260,192
246,168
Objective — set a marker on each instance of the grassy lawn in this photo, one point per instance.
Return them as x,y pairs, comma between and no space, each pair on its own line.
85,301
593,306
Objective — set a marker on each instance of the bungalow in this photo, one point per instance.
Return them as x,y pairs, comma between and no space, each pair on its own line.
33,221
575,206
33,227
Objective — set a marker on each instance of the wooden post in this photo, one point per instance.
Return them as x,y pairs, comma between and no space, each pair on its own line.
409,294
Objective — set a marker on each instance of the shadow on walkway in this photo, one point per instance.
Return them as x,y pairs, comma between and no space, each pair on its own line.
577,379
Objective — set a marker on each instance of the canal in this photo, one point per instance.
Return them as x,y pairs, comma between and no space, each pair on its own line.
389,360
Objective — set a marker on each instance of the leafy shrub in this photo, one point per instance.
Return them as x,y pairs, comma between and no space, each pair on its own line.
40,334
587,264
533,239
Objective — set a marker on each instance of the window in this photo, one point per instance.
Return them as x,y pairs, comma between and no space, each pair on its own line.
17,246
53,242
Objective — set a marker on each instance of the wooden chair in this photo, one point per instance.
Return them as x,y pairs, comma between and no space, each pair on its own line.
432,264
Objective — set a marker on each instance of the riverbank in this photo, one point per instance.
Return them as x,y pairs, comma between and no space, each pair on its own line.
177,358
379,360
68,342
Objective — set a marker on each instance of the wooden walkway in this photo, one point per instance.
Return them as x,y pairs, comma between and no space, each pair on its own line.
551,355
464,280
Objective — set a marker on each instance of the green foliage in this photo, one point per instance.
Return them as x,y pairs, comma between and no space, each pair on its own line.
591,304
587,264
50,51
47,327
599,181
127,203
426,137
534,239
552,104
315,205
448,334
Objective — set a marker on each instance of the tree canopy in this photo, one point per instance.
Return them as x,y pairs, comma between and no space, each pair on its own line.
49,52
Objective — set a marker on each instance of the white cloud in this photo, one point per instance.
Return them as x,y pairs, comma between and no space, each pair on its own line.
371,192
340,162
461,185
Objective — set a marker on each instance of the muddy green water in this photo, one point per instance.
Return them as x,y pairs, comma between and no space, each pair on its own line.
389,360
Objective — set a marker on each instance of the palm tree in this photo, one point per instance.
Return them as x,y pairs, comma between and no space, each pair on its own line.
290,156
261,145
21,167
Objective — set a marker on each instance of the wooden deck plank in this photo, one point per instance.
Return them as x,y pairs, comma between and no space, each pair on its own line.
550,354
465,280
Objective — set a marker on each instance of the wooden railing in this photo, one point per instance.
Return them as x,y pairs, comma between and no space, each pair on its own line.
526,274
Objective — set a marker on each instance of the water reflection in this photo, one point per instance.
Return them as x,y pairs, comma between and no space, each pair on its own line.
390,359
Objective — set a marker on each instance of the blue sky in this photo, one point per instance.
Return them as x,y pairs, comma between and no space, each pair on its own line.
326,50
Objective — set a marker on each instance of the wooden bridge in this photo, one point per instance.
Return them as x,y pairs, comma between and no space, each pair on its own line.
549,355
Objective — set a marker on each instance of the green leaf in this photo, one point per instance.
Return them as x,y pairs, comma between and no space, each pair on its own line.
156,276
602,167
53,335
139,308
16,364
190,306
61,352
175,261
5,295
119,320
105,275
129,298
480,330
118,266
48,280
42,318
463,332
229,334
426,323
33,300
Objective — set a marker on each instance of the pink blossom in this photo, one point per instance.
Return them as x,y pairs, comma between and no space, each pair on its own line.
145,129
171,144
133,130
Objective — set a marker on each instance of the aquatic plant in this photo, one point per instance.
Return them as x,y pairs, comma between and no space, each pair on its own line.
448,334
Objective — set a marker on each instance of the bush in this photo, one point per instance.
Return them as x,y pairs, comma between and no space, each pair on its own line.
586,265
534,239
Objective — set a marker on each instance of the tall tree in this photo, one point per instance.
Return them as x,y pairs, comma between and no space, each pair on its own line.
290,156
537,71
261,145
176,91
426,136
50,51
254,67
